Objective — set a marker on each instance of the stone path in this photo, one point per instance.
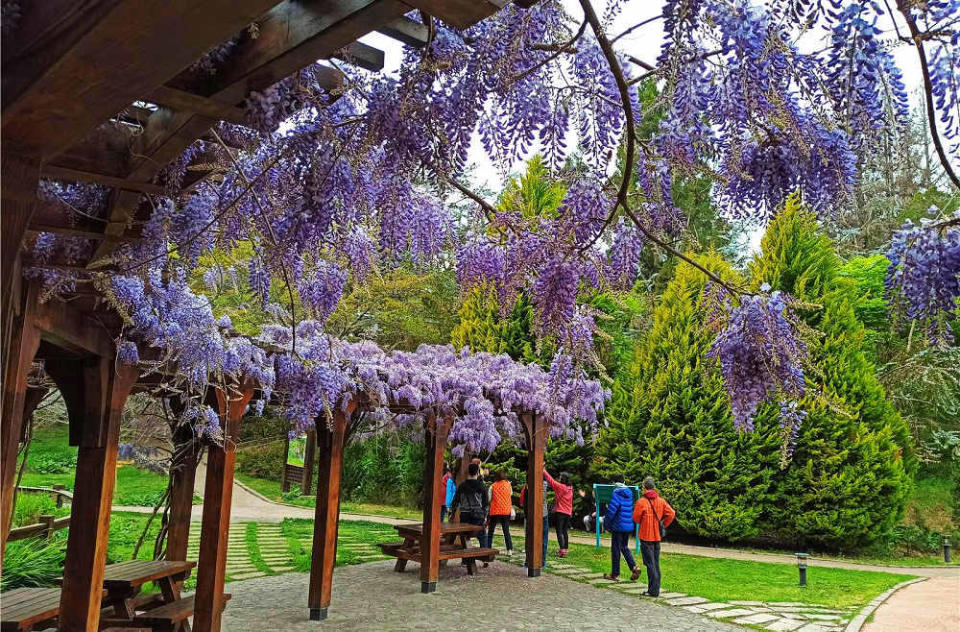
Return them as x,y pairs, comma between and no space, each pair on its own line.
777,616
259,549
501,597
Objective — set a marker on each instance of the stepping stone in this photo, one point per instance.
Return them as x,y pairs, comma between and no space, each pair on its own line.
786,603
243,576
747,603
630,589
823,617
707,607
567,571
283,569
562,566
723,614
757,619
591,576
784,625
686,601
601,582
671,595
814,627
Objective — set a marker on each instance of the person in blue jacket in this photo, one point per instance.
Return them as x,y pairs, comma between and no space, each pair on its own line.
450,488
619,520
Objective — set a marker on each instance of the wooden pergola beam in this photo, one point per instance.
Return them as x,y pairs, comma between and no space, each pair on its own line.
436,432
188,102
536,431
406,31
87,62
459,13
104,391
330,444
217,497
66,173
362,55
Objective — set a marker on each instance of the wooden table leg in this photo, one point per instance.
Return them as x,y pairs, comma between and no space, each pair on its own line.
401,564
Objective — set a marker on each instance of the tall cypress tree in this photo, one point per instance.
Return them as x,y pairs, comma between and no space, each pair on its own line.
847,481
670,419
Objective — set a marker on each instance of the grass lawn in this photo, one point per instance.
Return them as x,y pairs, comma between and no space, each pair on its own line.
271,489
298,531
52,461
736,580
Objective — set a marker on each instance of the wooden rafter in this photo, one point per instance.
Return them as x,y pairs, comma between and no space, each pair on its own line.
459,13
66,173
406,31
79,67
291,36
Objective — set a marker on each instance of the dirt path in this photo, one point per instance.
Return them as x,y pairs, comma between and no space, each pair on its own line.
928,606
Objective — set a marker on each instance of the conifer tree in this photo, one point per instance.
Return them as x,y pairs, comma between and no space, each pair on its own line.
847,481
669,419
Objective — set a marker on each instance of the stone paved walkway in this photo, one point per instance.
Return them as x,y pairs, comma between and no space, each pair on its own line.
778,616
501,597
260,549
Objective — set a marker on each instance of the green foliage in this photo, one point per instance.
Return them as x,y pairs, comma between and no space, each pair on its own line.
32,562
849,477
796,257
534,194
54,464
263,460
483,328
401,309
30,506
669,419
384,469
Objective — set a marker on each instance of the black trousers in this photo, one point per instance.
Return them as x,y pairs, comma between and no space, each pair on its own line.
563,530
651,559
504,521
620,545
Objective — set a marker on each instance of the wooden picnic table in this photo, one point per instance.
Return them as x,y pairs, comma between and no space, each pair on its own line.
23,608
124,581
453,544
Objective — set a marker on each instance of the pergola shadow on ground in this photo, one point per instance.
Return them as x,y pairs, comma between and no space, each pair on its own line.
331,439
373,597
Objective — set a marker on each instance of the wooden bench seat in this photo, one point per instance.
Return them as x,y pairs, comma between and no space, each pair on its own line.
25,607
465,554
390,548
170,616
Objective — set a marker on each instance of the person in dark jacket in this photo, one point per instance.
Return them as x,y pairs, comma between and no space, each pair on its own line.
619,520
471,499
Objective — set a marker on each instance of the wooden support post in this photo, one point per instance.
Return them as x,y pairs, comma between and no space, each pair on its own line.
284,481
435,439
183,475
24,342
536,433
217,495
309,458
18,197
330,441
105,391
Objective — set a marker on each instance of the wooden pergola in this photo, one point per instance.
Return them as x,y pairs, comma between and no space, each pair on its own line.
68,68
331,439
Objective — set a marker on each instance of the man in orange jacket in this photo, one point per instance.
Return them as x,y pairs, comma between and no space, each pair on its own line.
650,511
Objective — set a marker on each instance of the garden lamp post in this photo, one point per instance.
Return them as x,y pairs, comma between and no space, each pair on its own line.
802,566
946,548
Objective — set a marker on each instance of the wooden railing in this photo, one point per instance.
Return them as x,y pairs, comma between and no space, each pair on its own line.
47,524
42,529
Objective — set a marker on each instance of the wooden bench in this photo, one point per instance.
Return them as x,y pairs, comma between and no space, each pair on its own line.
169,617
469,555
24,608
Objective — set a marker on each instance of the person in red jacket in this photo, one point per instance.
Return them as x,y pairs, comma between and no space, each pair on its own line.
562,509
649,512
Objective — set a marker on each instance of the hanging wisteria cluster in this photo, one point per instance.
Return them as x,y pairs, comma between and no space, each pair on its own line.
332,185
923,281
483,392
760,357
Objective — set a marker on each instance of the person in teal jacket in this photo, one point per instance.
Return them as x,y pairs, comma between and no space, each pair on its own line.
451,489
